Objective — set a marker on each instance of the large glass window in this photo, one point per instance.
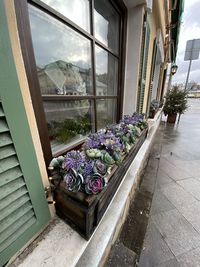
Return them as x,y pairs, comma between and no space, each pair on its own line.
106,72
77,71
63,56
76,10
106,21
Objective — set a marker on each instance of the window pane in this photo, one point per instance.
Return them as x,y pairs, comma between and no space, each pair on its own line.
75,10
106,73
106,22
106,112
68,122
63,57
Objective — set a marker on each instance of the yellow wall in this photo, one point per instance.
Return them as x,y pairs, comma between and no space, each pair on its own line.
158,19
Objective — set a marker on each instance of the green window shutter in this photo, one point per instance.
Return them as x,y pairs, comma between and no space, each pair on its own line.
153,64
23,206
143,65
17,214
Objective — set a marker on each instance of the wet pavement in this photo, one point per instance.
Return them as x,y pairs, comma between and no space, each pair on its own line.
163,225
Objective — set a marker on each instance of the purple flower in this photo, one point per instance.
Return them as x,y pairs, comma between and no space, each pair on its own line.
95,184
73,160
73,181
100,167
87,168
94,140
111,142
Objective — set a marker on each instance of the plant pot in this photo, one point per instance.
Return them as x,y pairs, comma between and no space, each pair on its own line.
84,212
171,118
152,114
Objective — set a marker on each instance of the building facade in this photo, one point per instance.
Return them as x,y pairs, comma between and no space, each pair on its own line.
69,68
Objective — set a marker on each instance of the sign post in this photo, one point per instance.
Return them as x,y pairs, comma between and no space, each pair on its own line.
191,53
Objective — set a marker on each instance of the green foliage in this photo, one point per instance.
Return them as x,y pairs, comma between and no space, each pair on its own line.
176,101
68,129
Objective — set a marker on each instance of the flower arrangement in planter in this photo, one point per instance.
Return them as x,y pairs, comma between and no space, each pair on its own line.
86,170
84,181
154,106
176,103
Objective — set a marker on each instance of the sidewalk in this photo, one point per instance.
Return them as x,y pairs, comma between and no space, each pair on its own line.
173,232
172,178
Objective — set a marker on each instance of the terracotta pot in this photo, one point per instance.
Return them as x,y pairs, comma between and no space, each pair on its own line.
171,118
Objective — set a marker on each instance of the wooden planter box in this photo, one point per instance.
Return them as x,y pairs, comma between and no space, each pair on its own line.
84,212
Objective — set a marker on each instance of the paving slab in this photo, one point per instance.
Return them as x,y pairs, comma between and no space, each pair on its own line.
174,172
192,214
163,179
160,203
155,250
192,186
169,263
177,195
190,259
178,233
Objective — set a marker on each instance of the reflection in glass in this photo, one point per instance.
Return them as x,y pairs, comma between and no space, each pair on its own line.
75,10
106,73
67,121
106,112
106,22
63,57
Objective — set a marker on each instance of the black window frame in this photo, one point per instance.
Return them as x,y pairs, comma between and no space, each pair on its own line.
21,8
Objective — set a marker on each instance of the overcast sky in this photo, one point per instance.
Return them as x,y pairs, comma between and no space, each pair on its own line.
190,29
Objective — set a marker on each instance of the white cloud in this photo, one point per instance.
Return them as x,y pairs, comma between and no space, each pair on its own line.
190,29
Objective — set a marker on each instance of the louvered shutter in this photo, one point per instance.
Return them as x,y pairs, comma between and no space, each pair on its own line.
16,210
153,64
23,206
143,66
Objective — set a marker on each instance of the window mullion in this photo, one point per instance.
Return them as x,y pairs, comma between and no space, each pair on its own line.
93,63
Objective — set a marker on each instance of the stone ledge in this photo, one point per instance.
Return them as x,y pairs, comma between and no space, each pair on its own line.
63,247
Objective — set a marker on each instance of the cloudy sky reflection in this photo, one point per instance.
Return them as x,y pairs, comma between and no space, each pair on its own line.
53,41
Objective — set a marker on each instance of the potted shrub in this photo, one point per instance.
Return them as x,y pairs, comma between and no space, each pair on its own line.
175,103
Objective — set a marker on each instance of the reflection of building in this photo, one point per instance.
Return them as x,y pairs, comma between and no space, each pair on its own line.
63,78
148,41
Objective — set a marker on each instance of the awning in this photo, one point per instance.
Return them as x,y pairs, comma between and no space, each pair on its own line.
176,19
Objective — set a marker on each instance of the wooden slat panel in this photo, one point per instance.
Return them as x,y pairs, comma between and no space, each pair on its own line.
3,126
5,139
17,234
1,112
7,151
14,197
9,163
10,175
14,217
15,224
11,187
13,206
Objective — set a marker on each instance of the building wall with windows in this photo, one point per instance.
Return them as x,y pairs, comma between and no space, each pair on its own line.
157,60
146,58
